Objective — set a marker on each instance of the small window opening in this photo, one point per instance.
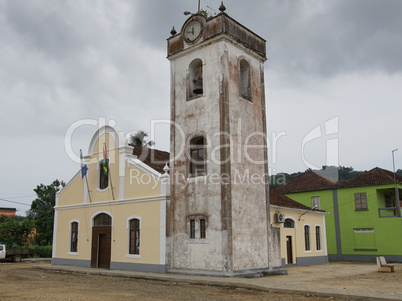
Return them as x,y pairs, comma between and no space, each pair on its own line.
202,228
192,228
195,80
245,80
197,156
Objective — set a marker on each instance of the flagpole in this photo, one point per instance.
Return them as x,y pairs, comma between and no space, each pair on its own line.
89,193
110,174
86,179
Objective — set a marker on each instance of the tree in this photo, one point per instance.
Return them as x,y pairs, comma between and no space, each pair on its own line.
14,232
42,212
141,139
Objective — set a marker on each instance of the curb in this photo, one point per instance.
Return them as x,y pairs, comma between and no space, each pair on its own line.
216,283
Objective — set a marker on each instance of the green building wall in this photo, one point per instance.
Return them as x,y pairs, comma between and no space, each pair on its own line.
358,235
357,238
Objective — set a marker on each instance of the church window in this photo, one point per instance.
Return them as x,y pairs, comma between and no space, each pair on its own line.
307,237
195,79
318,237
245,80
197,156
103,174
134,236
74,237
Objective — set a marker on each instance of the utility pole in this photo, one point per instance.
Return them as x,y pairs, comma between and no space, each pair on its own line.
398,205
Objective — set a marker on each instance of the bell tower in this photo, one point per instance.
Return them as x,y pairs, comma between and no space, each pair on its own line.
218,218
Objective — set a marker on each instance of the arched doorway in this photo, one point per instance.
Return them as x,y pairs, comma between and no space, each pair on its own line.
101,241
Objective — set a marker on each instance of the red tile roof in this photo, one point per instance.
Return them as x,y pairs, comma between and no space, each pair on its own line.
375,176
154,158
308,181
278,199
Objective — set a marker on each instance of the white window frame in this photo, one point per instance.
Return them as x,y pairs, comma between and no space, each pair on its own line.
315,201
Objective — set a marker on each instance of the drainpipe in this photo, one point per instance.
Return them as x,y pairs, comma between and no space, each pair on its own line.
398,205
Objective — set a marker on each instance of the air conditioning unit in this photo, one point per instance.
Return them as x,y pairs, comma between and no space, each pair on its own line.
279,217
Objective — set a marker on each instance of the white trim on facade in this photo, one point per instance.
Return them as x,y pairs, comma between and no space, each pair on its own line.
109,203
294,221
133,217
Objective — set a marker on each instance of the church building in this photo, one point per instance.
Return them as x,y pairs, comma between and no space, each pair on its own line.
202,208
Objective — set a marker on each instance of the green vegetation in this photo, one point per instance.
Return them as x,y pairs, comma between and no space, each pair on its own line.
16,233
42,212
41,251
203,12
141,139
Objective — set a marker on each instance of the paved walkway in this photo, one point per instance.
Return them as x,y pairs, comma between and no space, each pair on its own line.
358,281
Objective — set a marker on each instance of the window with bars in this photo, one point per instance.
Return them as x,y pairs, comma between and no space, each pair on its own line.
202,228
197,224
307,238
192,228
318,238
197,156
360,201
134,236
74,237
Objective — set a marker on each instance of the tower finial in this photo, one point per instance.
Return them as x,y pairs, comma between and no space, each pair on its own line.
222,8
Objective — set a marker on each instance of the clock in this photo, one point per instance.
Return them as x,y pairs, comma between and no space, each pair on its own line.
192,31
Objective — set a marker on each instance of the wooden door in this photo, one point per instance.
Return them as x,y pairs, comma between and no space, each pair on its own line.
101,247
289,249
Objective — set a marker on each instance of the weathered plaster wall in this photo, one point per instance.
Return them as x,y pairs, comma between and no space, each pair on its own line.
237,214
196,195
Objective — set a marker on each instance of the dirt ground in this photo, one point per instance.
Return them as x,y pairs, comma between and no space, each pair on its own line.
19,281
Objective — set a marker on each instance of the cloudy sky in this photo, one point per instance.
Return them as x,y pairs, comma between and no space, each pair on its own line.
333,81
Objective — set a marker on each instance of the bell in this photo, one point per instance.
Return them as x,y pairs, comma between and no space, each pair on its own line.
198,87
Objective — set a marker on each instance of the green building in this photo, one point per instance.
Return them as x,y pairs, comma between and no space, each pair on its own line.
364,220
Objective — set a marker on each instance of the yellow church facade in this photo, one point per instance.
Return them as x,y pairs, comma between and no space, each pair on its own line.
114,219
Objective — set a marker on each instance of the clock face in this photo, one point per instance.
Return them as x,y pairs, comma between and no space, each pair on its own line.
192,31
